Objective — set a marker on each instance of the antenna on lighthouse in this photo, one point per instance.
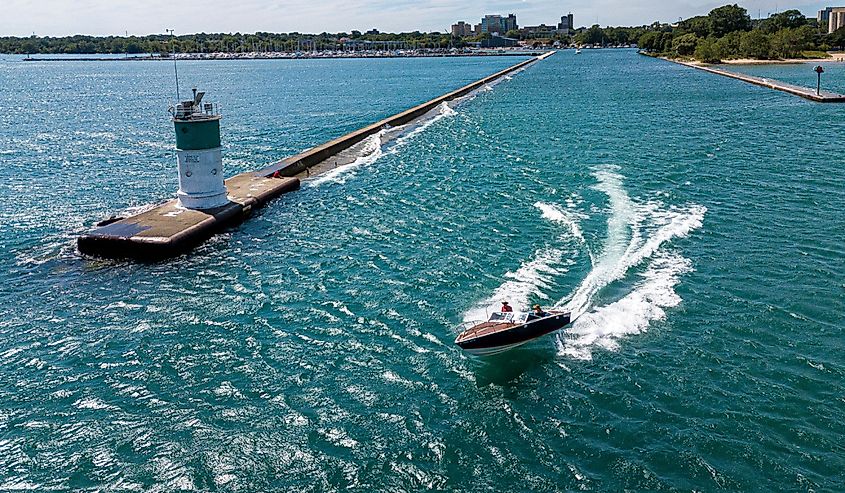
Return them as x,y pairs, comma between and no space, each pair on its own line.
175,71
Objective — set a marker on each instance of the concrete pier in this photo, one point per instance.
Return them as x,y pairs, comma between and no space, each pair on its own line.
804,92
169,229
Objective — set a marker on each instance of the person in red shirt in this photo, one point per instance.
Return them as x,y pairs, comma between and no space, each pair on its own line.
506,308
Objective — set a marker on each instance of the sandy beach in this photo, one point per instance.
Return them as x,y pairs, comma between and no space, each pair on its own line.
839,57
834,57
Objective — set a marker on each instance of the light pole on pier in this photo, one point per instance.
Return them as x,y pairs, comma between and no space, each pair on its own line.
175,71
819,71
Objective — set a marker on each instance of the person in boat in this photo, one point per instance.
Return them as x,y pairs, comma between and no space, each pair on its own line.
506,308
538,312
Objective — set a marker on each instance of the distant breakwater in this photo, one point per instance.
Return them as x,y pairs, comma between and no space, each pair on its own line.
808,93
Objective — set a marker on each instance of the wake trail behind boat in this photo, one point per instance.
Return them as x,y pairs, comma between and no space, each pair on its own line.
570,219
631,314
635,234
535,275
530,279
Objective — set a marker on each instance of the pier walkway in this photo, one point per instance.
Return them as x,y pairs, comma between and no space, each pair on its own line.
804,92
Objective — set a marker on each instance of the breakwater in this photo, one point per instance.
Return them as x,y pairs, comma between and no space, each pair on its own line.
294,165
804,92
168,229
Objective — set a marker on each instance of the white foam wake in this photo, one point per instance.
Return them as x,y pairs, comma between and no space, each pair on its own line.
521,285
386,141
635,233
534,275
632,314
369,150
570,219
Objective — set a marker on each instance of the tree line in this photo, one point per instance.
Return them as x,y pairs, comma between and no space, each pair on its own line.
213,43
728,32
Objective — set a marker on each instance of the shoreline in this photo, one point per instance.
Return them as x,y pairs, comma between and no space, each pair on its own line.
787,61
834,58
752,61
284,56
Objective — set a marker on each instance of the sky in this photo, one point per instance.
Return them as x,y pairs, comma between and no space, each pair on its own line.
141,17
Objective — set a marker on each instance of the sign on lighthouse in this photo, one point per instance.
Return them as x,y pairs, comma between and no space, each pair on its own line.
198,156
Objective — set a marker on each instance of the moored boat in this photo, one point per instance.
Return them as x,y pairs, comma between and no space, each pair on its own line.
506,330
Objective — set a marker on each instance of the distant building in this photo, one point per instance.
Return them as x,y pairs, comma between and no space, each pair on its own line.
498,24
372,31
565,27
835,18
477,29
541,31
823,17
462,29
510,23
496,41
567,24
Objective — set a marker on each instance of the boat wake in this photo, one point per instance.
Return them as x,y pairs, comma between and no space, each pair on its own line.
636,235
537,274
386,141
569,218
523,284
634,259
632,314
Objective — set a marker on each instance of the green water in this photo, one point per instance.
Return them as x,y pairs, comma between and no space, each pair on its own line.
693,222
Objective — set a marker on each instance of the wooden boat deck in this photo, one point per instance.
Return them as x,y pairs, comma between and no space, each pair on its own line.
485,329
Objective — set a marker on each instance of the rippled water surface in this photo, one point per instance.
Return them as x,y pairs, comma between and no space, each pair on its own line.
693,223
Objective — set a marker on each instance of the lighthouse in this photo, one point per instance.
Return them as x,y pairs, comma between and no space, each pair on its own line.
198,156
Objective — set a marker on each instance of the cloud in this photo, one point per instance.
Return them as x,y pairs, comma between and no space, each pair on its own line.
105,17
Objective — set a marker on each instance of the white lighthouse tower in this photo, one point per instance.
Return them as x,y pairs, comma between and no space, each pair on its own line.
198,155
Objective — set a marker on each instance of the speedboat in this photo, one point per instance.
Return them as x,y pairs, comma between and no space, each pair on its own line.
577,51
507,330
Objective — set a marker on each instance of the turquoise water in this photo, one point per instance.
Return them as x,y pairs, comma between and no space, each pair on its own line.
801,74
692,221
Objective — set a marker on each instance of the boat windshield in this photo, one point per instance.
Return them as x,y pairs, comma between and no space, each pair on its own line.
501,317
509,317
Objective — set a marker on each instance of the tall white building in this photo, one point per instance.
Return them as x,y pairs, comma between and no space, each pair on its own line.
832,18
837,19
